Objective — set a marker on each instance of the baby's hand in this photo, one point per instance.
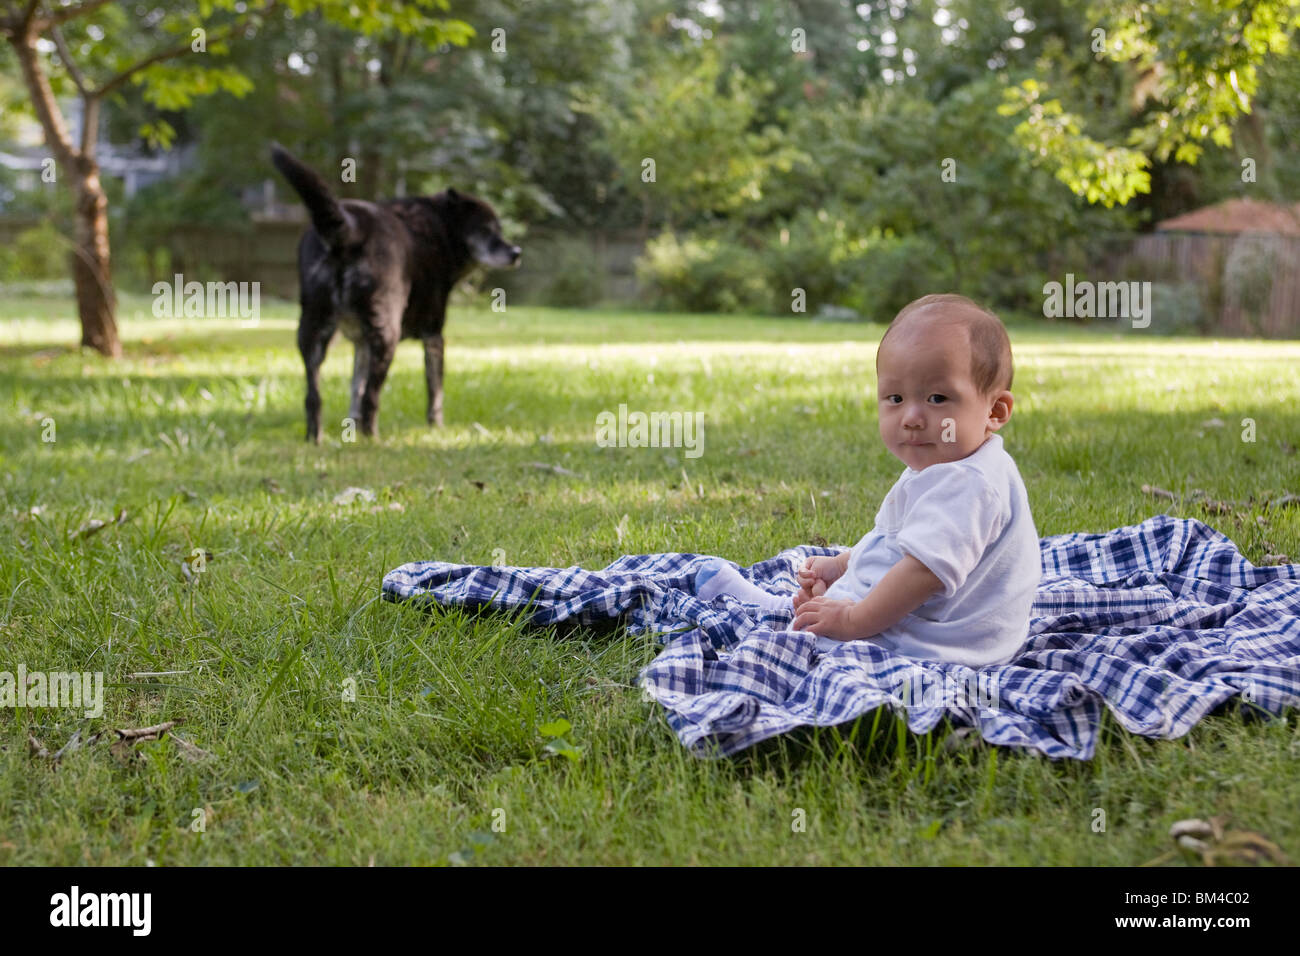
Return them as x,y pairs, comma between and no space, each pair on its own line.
817,589
827,570
828,619
814,577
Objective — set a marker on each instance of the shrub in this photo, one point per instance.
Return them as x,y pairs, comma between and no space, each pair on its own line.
703,275
1248,274
1177,308
38,253
817,257
579,280
890,271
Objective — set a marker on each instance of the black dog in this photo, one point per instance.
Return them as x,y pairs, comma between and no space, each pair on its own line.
382,272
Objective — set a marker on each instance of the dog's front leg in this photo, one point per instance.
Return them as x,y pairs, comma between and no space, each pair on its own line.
433,377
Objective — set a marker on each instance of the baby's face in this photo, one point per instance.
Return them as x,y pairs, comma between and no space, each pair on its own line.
930,410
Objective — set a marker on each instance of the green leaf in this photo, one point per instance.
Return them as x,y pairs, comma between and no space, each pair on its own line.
556,728
564,748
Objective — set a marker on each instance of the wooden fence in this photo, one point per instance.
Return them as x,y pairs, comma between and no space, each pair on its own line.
1248,284
1244,284
556,269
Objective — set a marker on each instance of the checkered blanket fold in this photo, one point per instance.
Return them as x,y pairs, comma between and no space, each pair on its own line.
1160,622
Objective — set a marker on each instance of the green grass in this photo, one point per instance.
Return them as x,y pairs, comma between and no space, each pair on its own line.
443,739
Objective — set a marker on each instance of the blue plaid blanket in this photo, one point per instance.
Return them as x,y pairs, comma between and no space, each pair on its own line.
1160,622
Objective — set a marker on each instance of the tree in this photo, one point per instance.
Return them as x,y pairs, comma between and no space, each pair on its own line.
686,134
1194,68
96,48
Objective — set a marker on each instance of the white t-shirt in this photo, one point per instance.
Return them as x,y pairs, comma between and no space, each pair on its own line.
968,521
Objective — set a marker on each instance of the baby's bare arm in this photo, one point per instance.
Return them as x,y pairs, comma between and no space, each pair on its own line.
901,591
904,588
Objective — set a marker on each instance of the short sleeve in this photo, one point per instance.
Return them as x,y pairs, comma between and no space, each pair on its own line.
949,522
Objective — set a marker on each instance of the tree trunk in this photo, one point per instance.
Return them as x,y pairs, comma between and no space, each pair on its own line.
91,271
96,303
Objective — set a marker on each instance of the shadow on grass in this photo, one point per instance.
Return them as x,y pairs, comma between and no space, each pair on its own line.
879,738
882,739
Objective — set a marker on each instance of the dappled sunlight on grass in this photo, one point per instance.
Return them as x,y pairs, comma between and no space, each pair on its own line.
195,440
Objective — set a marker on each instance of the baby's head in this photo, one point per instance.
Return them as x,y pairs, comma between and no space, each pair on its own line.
947,348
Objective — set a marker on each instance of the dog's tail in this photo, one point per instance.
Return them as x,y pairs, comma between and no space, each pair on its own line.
329,218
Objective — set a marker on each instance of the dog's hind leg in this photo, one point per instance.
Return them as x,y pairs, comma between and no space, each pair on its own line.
313,338
433,377
360,374
381,345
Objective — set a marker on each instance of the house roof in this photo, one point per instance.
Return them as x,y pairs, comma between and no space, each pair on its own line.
1238,215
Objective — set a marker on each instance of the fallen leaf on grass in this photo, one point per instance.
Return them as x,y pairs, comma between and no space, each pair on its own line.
1158,492
126,739
1219,847
73,744
94,525
190,752
194,564
122,742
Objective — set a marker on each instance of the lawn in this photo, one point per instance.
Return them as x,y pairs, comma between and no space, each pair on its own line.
442,757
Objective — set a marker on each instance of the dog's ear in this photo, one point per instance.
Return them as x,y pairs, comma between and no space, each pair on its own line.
453,195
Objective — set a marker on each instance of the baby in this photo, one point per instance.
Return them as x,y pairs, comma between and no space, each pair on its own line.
950,571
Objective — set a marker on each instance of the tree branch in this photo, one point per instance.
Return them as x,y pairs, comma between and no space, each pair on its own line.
68,65
89,125
25,21
144,64
64,14
162,55
44,103
19,23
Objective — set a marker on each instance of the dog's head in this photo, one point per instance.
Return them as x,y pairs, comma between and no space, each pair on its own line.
481,232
